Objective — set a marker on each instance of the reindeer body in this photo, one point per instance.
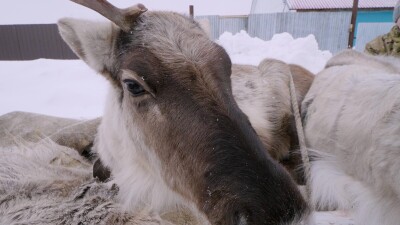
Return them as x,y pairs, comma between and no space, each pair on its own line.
262,93
352,116
172,133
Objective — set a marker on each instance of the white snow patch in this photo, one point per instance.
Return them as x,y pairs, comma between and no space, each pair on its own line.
244,49
65,88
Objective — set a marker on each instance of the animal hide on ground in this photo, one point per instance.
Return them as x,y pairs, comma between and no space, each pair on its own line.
44,182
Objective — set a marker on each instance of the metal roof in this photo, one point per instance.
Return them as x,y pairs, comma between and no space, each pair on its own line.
339,4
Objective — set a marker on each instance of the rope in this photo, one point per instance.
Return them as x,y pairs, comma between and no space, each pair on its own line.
300,134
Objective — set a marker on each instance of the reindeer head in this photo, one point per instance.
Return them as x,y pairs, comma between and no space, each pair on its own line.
171,126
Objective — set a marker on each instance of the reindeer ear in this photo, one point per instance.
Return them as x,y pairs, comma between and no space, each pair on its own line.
91,41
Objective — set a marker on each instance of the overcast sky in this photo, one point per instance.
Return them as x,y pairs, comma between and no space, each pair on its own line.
49,11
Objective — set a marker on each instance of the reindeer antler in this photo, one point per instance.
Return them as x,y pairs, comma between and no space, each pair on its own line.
121,17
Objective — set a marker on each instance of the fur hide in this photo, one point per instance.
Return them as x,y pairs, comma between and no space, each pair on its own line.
44,182
32,127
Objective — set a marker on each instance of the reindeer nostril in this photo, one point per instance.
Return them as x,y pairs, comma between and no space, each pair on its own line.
241,218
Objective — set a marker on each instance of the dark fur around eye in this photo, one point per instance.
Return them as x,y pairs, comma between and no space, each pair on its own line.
134,87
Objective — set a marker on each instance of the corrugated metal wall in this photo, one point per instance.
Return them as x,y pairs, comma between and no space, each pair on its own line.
27,42
369,31
329,28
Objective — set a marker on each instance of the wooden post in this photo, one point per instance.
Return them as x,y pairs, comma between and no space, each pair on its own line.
191,11
353,24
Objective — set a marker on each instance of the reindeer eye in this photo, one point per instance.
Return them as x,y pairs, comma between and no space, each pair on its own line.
134,87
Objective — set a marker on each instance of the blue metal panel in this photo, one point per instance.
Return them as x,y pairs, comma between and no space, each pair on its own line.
338,4
384,16
369,31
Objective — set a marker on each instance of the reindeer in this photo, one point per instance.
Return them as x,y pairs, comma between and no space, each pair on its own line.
352,115
172,134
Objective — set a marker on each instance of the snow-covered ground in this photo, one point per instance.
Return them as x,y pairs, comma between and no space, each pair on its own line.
68,88
65,88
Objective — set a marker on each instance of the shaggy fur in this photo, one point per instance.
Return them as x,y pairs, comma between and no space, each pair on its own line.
352,117
184,142
71,133
42,182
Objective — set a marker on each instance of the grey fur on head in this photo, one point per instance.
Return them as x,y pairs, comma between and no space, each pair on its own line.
396,12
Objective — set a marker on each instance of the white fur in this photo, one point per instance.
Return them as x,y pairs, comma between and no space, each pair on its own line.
135,169
353,119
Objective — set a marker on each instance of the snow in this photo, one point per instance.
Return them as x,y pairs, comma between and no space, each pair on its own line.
244,49
65,88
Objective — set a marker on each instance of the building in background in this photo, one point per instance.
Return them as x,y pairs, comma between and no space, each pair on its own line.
374,17
369,11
